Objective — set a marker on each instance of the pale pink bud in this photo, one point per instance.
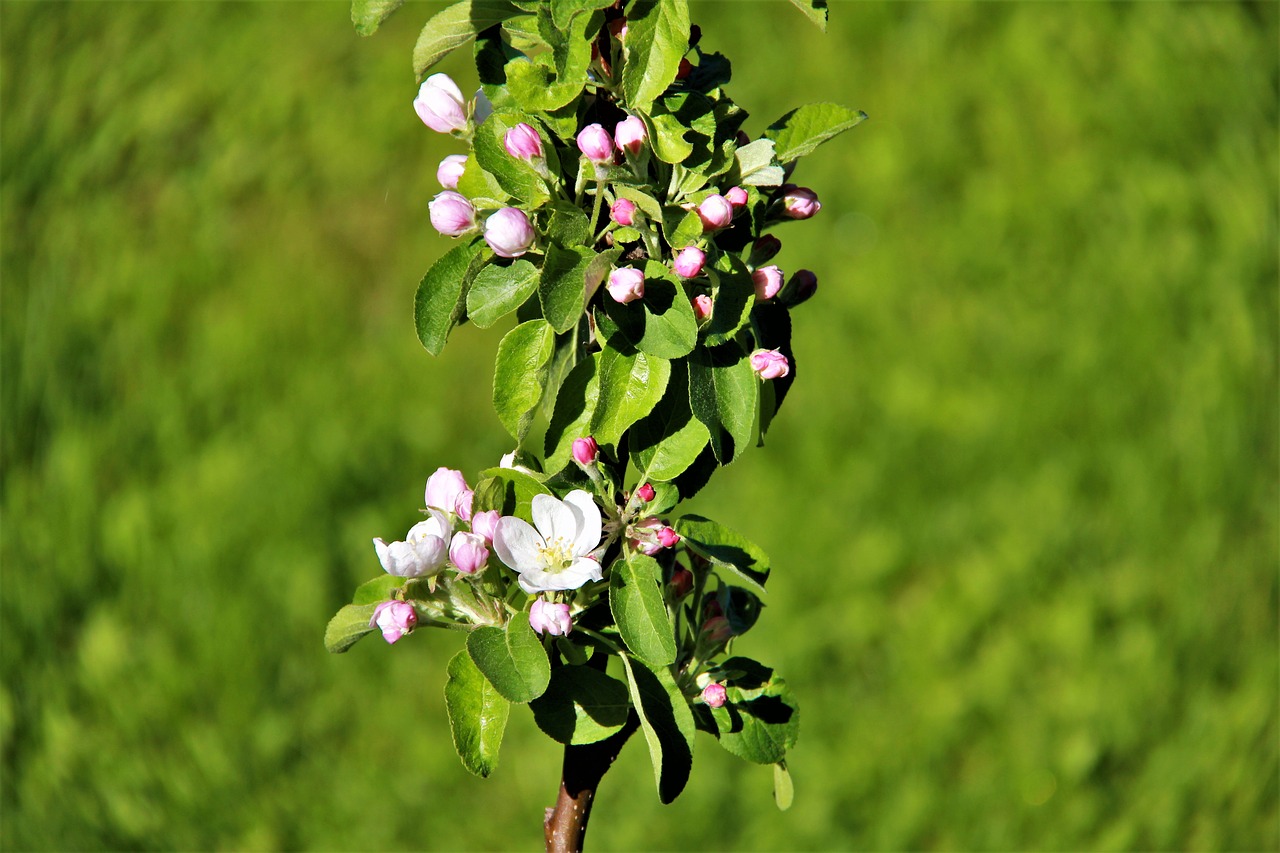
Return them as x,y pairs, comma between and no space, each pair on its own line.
715,213
801,285
702,305
623,211
681,582
768,281
626,284
800,203
523,142
715,695
462,506
769,364
451,214
439,104
645,539
450,170
630,135
689,262
484,523
394,619
468,552
737,197
585,450
595,142
646,492
668,538
508,232
444,487
546,617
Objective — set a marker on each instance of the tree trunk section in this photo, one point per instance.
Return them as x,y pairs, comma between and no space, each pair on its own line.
584,766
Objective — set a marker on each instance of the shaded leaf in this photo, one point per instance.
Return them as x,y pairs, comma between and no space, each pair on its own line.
440,302
454,27
667,724
729,551
498,290
581,705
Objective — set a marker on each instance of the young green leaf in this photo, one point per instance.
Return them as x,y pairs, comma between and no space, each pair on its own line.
441,298
783,791
765,720
724,396
368,15
802,130
498,290
513,661
518,177
635,598
347,626
477,715
668,440
657,39
755,165
581,705
378,590
454,27
575,406
564,11
509,491
730,552
661,324
734,296
814,10
667,724
519,374
563,286
630,385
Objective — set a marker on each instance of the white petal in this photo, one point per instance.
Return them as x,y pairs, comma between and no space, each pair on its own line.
588,532
384,554
553,519
517,543
585,569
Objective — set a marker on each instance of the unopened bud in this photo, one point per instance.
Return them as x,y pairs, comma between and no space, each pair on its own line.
546,617
715,695
394,619
450,170
737,197
767,281
668,538
444,487
686,68
802,285
690,261
626,284
484,523
646,492
508,232
523,142
630,135
585,450
800,203
452,214
716,630
764,249
623,211
702,306
594,141
439,104
469,552
715,212
681,583
618,28
770,364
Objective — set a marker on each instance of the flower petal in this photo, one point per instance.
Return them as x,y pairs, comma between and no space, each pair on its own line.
587,535
517,543
554,519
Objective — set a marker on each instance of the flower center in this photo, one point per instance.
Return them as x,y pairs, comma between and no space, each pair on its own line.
557,555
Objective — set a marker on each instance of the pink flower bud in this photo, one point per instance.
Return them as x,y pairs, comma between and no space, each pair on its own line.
715,695
394,619
768,281
716,630
668,538
469,552
450,170
508,232
547,617
439,104
626,284
800,203
523,142
689,262
585,450
715,212
623,211
630,135
444,487
702,305
802,285
451,214
484,523
769,364
462,506
646,492
681,582
645,535
765,249
595,142
737,197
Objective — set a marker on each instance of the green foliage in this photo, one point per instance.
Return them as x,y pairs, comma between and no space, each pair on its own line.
666,722
512,660
581,705
477,714
635,597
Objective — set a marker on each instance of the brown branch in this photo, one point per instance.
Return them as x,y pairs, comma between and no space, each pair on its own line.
584,766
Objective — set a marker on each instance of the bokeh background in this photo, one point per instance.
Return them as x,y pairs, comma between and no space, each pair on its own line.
1022,502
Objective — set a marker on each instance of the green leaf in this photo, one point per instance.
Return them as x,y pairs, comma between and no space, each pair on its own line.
581,705
666,138
635,599
368,15
498,290
667,724
681,227
630,385
764,718
734,295
783,791
731,553
513,661
575,406
440,303
802,130
477,715
657,39
515,175
660,324
668,439
519,374
378,590
563,286
755,165
564,11
816,11
481,187
568,226
724,396
454,27
509,491
347,626
647,203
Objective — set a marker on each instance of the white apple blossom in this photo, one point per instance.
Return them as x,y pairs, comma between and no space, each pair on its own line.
424,551
554,555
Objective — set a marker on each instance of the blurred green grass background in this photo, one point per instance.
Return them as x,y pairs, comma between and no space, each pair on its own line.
1022,503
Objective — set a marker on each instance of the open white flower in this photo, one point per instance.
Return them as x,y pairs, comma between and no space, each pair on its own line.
424,551
554,556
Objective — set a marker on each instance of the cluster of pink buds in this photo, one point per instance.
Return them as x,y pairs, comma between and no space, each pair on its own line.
650,535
